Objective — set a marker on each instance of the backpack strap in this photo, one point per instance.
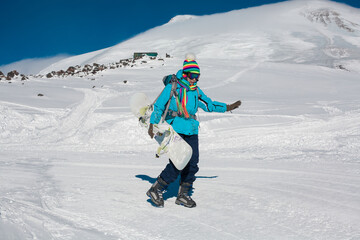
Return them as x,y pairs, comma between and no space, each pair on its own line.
172,93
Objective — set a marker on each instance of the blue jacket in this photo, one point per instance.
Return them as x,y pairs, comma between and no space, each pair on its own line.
196,99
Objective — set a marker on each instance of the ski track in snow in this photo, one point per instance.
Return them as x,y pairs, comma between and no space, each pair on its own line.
235,77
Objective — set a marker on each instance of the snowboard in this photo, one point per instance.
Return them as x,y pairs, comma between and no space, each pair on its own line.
170,142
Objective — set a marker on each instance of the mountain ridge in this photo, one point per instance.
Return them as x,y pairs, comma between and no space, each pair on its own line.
306,28
321,32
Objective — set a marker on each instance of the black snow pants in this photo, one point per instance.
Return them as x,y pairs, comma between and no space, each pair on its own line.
170,173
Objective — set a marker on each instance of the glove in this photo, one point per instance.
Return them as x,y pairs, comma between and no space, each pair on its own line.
151,130
233,106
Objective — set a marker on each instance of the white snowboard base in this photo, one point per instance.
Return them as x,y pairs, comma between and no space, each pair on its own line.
171,143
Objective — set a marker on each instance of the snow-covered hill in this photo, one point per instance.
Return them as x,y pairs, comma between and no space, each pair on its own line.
316,32
74,164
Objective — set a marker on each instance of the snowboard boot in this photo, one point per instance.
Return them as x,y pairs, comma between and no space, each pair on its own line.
156,192
183,197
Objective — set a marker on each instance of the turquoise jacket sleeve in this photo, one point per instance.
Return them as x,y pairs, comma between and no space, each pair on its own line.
206,104
160,105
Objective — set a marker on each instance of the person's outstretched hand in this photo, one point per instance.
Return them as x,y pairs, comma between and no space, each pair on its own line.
151,130
233,106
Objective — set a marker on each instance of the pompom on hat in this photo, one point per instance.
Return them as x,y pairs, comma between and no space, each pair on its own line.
190,65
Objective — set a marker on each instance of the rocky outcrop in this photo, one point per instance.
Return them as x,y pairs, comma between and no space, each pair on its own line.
12,74
71,70
81,71
327,16
23,77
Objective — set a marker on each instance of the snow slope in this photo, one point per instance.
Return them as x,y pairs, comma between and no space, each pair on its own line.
316,32
74,164
32,65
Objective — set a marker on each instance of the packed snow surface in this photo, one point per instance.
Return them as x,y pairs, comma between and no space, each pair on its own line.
75,164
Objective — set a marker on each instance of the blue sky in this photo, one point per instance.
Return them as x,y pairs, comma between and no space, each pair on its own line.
45,28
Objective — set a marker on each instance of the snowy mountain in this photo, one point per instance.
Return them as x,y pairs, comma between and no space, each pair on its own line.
31,66
74,163
319,32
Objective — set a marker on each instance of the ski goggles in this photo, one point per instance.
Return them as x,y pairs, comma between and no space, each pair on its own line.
193,76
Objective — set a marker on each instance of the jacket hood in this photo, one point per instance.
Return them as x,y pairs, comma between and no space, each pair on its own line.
179,74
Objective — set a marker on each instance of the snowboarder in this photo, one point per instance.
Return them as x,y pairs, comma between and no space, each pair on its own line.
181,115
